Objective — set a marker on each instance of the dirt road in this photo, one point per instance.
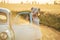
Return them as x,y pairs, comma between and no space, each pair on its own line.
49,33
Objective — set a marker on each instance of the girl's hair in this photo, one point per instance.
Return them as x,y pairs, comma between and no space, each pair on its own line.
35,10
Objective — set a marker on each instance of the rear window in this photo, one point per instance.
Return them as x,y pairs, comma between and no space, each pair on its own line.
22,19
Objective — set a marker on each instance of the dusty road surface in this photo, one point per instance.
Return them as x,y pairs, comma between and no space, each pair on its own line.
49,33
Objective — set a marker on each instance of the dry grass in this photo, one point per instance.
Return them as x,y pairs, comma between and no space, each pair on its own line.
51,20
20,7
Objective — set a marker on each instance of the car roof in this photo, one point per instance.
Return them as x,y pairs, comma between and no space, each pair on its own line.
24,12
5,10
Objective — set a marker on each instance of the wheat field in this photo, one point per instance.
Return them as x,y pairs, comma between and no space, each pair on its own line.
23,7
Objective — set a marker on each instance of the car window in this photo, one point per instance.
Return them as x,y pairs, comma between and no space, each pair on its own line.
3,18
22,19
25,16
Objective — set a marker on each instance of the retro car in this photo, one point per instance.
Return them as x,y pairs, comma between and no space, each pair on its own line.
21,29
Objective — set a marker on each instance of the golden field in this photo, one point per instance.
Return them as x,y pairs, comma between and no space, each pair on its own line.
22,7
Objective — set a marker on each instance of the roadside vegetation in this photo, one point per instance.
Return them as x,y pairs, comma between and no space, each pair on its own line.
51,20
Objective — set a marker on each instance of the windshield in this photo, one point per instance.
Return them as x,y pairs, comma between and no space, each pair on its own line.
3,18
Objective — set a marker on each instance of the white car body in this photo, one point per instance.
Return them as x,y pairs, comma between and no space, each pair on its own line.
24,31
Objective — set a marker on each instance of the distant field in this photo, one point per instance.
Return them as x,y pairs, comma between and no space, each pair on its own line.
20,7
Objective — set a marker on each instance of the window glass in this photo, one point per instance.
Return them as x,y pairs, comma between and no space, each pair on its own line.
22,19
3,18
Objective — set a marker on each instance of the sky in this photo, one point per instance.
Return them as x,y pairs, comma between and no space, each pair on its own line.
29,1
